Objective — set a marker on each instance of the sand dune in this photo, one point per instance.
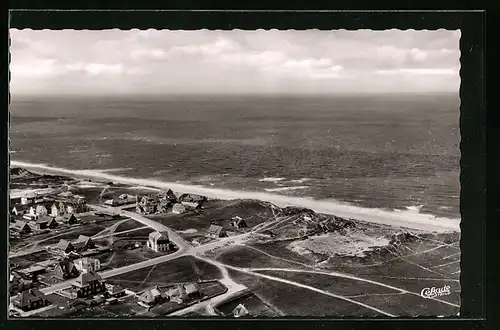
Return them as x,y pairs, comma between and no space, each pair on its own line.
406,219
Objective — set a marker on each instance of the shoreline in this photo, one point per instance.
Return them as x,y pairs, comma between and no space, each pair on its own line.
408,220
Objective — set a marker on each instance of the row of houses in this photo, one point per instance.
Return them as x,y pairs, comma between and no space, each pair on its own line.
82,243
179,294
42,222
167,201
56,208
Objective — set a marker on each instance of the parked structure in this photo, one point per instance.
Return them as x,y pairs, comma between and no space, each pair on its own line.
215,231
87,264
30,299
159,241
178,208
21,227
88,284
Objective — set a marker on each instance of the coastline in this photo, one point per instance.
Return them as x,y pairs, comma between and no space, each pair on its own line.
410,220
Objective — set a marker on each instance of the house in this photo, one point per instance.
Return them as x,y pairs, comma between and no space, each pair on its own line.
42,209
65,246
192,205
31,273
110,202
21,227
87,264
32,211
68,219
83,243
79,204
115,291
159,241
192,198
51,222
88,284
215,231
147,204
164,206
152,296
238,222
192,290
18,209
178,208
167,194
41,223
54,210
65,269
30,299
240,310
27,199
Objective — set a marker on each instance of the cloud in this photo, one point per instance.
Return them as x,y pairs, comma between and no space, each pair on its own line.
155,61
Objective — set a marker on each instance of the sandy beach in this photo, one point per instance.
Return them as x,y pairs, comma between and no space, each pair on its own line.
405,219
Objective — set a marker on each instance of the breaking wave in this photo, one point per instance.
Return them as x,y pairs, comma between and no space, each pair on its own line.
412,220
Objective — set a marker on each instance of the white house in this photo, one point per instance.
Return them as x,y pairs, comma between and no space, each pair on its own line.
87,264
158,241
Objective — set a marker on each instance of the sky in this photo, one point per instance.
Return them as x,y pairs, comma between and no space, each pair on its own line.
233,62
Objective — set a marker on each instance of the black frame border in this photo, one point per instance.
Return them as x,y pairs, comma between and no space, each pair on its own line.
472,125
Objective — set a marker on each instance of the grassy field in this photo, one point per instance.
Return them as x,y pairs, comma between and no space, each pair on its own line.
29,259
295,301
217,212
336,285
243,256
184,269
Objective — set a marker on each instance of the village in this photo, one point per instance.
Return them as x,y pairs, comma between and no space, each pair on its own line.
75,261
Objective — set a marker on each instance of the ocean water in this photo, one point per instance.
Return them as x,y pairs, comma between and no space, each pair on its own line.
395,152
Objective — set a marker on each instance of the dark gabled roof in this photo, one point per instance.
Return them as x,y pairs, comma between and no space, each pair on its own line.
63,244
149,295
19,224
29,295
215,230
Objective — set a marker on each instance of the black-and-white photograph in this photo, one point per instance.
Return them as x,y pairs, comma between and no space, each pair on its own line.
265,173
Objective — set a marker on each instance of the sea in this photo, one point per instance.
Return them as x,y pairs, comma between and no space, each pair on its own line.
395,152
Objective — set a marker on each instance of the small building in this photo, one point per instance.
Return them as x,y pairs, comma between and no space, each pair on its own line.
192,198
178,208
152,296
54,210
68,219
147,204
28,199
167,194
215,231
88,284
21,227
115,291
240,311
18,209
110,202
83,243
159,241
30,299
238,223
192,205
87,264
65,246
65,269
31,273
51,223
192,290
41,209
40,223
